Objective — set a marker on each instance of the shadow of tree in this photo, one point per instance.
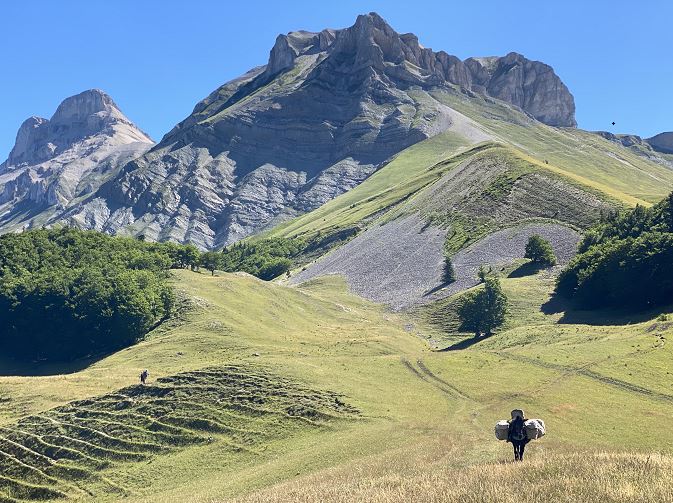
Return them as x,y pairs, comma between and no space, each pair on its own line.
10,367
466,343
574,314
527,269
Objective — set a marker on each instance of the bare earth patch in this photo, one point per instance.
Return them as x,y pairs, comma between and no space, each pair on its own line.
400,264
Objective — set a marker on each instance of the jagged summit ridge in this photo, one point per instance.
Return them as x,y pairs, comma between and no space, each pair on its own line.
372,43
76,118
326,111
56,160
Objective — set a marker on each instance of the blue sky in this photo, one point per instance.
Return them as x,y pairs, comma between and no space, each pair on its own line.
158,58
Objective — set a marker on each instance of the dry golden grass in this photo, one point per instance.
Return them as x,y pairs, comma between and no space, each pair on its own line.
430,474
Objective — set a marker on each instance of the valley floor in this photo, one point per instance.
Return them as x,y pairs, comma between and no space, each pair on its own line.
342,400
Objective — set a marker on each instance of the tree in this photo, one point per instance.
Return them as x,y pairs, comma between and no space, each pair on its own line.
449,273
482,273
539,251
189,256
483,310
274,268
212,260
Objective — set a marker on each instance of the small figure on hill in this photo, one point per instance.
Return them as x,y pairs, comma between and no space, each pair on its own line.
517,434
143,376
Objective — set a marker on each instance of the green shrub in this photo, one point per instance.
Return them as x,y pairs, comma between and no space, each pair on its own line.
624,261
485,309
449,273
540,251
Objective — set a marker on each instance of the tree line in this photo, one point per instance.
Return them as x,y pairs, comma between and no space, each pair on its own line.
625,261
67,293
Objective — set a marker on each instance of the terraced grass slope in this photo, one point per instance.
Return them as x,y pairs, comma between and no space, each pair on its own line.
422,416
67,450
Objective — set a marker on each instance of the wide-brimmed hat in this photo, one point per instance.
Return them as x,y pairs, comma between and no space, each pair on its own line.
517,413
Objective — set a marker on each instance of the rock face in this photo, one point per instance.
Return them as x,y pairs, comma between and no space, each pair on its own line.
326,111
662,142
57,160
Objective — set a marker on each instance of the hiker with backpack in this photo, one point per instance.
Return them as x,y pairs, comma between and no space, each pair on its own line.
143,376
519,431
517,434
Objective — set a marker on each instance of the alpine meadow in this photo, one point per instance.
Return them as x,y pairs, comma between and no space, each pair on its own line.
331,281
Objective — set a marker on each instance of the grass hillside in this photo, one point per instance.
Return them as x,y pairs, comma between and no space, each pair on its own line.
583,159
267,392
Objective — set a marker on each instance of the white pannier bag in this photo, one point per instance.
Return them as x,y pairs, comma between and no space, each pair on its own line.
535,428
501,430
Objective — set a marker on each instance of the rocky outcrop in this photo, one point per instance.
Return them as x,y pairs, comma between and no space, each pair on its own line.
55,161
662,142
327,110
531,85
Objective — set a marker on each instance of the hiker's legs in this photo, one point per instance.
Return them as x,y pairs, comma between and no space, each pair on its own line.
516,451
522,446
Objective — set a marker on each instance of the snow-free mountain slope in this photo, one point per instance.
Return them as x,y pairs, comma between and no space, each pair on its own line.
323,114
56,161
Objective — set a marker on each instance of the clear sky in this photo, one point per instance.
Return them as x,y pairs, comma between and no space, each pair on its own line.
158,58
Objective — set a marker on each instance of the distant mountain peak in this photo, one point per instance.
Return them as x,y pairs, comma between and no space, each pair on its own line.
57,160
86,114
327,110
371,48
663,142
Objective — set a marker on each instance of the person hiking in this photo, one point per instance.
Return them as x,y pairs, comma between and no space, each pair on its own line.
517,434
143,376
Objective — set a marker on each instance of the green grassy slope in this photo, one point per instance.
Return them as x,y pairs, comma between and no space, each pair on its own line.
610,167
588,381
578,157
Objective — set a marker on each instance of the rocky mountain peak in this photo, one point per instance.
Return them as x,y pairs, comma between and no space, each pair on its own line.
80,107
372,49
663,142
327,110
89,113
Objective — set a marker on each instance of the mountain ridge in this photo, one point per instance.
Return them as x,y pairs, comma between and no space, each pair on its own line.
326,111
55,161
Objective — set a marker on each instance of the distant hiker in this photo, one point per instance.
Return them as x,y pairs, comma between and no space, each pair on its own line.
143,376
517,434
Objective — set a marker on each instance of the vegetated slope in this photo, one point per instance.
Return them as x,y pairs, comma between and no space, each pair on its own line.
399,258
66,451
580,156
624,261
323,114
56,162
589,380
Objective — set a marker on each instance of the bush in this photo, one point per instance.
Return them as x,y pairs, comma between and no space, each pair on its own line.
483,310
274,268
540,251
483,273
266,259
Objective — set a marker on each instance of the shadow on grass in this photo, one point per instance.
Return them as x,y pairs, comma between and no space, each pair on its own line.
572,314
10,367
527,269
465,343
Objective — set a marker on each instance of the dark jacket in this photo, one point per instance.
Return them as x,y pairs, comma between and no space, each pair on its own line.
517,431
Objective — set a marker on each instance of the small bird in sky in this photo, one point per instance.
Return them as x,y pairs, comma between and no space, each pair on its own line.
613,123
